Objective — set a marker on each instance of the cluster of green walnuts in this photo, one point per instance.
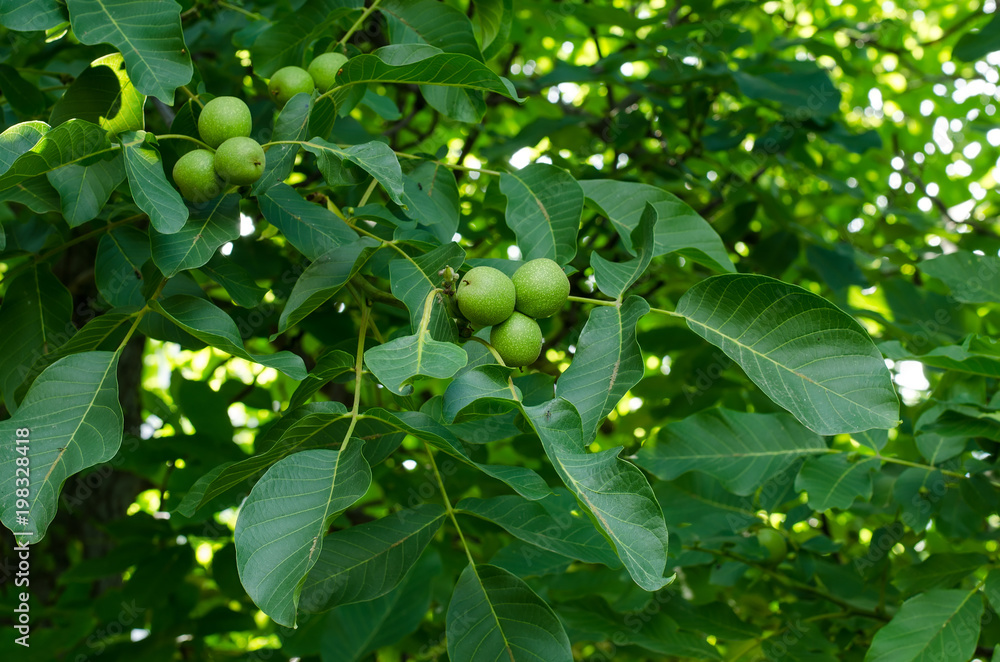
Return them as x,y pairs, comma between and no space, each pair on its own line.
487,297
225,123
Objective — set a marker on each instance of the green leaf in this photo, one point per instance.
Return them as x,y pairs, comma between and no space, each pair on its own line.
972,278
447,69
85,189
398,362
746,449
607,362
678,227
614,278
976,44
311,228
22,96
66,144
118,267
494,615
74,421
151,191
17,140
613,491
104,332
806,354
324,278
834,482
235,280
375,158
938,571
320,425
277,546
36,318
430,193
367,561
212,326
208,227
492,21
544,204
483,382
942,626
103,94
284,42
331,364
31,15
292,124
353,631
427,21
148,34
552,523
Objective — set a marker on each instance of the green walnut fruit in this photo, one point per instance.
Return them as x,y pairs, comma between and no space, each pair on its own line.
239,161
774,543
324,69
485,296
518,340
223,118
194,174
289,81
542,288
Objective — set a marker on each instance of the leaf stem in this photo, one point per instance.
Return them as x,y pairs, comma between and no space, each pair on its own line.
140,314
358,374
191,95
181,136
357,24
368,193
596,302
447,505
249,14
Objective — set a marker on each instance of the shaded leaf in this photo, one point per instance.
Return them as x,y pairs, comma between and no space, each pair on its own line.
745,450
292,124
211,325
552,523
324,278
367,561
85,189
834,482
275,546
494,615
972,278
118,267
36,318
74,421
235,280
311,228
208,227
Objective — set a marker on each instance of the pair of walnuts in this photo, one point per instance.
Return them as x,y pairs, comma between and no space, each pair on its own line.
487,297
225,124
